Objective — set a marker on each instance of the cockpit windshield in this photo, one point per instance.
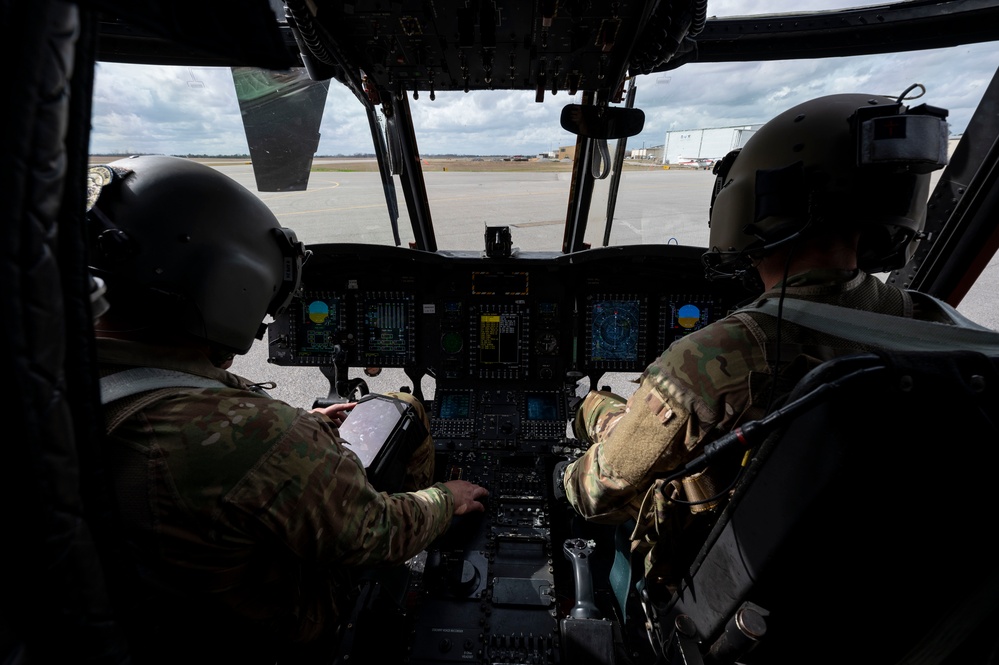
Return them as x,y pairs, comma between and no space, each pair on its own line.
494,158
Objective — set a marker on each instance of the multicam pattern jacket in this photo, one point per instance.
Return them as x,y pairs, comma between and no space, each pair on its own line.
241,502
702,386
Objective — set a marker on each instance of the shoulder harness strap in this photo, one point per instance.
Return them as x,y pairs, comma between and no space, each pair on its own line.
884,330
132,383
143,379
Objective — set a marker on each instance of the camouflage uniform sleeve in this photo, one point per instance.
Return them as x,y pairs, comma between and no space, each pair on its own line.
597,415
314,494
632,442
698,387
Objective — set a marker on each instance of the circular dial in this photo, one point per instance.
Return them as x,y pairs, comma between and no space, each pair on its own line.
451,342
547,343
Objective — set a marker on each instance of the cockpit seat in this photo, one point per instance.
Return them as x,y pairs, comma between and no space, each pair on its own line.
863,529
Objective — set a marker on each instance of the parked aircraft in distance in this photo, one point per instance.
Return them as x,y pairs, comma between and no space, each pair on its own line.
694,162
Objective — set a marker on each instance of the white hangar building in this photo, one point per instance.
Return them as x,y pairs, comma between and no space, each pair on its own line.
691,145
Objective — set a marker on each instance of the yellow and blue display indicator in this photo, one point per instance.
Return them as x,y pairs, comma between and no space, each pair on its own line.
688,316
681,315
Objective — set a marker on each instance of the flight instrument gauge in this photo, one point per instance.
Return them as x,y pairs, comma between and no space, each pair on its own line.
547,344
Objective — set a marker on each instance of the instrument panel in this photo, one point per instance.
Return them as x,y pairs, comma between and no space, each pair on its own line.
463,317
505,340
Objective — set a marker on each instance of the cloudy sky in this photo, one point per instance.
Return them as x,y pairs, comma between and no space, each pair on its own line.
193,110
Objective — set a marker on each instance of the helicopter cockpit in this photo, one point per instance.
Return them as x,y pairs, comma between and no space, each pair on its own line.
559,254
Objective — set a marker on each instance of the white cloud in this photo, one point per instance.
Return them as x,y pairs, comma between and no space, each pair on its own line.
185,110
166,110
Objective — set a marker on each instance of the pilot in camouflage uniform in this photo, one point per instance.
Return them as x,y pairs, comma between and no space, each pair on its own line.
713,379
244,522
219,466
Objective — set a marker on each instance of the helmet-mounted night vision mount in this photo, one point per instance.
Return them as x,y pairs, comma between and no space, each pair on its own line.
911,141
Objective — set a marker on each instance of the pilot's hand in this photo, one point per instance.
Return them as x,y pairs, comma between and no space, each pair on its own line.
466,496
336,412
558,479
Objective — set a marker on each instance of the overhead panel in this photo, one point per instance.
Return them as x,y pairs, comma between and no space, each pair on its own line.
548,47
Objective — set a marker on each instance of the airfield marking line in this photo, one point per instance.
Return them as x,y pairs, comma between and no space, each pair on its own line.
284,195
480,197
318,210
552,222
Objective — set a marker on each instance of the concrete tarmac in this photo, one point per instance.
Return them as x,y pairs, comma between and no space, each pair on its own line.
653,206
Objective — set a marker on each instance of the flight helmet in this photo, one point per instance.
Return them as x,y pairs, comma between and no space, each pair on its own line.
187,248
846,161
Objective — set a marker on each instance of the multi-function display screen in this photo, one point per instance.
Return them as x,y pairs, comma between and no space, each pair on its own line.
455,406
683,314
498,341
499,338
615,329
320,328
386,330
541,406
